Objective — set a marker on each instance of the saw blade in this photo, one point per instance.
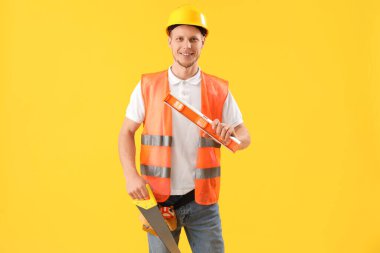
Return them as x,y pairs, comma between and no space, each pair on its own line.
156,221
153,215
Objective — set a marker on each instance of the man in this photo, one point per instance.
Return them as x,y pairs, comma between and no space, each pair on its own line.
180,163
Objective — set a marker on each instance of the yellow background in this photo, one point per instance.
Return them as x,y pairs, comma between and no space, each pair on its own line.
305,75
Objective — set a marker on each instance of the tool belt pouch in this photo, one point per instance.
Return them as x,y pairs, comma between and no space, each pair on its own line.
169,216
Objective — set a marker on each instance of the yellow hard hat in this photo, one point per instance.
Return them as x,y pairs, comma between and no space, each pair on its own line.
187,15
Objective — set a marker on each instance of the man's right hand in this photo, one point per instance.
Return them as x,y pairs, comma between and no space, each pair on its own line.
136,187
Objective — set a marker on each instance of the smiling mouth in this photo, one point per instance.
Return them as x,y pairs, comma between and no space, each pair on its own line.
187,54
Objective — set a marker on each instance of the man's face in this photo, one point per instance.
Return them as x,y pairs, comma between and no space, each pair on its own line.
186,43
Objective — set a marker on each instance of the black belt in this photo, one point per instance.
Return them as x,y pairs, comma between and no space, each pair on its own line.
179,200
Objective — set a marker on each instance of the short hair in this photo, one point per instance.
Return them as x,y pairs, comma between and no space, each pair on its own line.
201,29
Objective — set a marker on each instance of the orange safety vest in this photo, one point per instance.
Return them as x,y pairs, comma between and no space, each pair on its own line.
156,139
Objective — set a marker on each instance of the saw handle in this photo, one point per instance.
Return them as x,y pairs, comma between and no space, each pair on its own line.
148,203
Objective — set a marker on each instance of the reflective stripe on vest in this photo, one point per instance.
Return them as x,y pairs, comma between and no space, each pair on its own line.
166,141
207,173
155,171
156,140
208,142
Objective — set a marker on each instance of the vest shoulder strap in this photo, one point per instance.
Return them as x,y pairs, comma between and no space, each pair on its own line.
149,78
215,79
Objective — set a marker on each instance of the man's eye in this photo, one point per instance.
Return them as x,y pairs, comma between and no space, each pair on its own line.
193,39
179,39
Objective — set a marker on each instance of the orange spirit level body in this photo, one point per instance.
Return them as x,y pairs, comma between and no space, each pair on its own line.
200,120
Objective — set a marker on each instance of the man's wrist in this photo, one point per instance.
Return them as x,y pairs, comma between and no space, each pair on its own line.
131,173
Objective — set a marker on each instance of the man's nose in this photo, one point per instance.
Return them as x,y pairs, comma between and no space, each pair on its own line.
188,44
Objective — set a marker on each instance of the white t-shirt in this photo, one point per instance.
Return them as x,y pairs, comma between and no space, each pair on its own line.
185,135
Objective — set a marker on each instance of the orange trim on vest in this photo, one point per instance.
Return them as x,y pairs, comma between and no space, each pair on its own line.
207,158
155,157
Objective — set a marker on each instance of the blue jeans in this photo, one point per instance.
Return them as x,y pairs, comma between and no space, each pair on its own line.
202,226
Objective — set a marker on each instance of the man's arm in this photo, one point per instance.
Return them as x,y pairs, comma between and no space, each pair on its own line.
242,134
127,152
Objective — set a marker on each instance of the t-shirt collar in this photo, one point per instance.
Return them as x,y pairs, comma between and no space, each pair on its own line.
194,80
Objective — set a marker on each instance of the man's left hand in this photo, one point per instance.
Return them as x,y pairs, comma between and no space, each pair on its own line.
223,130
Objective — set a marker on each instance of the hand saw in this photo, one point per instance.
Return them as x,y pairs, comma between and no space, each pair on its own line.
201,120
153,215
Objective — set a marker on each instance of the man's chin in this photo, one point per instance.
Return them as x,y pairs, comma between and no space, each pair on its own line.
186,64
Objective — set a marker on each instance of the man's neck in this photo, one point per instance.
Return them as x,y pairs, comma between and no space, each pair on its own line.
182,72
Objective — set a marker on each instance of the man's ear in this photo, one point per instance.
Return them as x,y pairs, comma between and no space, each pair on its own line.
169,40
203,40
